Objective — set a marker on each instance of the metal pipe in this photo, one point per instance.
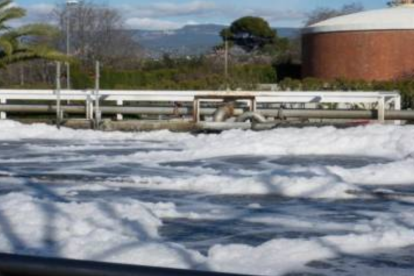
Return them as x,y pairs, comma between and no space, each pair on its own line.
47,109
222,126
17,265
252,116
340,114
293,124
288,113
223,113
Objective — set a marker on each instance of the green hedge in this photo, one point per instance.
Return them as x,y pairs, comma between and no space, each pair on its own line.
188,76
202,74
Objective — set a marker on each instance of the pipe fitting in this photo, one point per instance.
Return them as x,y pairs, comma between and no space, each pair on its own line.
223,113
252,116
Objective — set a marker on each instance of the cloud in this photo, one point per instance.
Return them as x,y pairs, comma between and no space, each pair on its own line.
165,9
271,15
191,8
40,9
169,15
152,24
166,15
40,12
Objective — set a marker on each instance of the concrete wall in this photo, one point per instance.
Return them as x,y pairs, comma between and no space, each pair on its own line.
367,55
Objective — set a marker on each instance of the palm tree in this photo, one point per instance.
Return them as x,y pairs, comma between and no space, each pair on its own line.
16,44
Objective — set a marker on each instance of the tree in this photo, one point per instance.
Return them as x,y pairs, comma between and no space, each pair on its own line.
18,44
321,14
398,2
250,33
97,33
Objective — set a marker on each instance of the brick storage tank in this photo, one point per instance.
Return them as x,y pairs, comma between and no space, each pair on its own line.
371,45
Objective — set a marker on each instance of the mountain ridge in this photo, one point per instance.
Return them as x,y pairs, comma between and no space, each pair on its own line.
190,40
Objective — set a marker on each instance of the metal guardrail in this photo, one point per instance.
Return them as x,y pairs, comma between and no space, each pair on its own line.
90,97
18,265
186,111
189,96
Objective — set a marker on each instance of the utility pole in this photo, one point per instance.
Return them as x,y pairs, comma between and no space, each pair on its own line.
22,81
69,5
226,59
226,62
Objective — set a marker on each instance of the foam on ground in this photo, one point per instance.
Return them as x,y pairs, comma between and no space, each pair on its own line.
374,140
35,220
127,231
276,257
124,231
396,173
295,186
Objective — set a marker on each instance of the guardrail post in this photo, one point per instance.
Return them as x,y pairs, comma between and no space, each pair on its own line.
397,106
119,117
381,110
196,110
89,106
97,97
3,115
253,106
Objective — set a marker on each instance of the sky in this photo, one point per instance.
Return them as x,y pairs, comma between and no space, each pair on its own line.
174,14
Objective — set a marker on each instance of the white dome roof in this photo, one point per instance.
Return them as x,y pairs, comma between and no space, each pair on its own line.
398,18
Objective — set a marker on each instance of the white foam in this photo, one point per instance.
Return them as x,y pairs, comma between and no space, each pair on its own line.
383,231
12,131
126,230
374,140
306,223
281,256
275,257
123,231
290,186
400,172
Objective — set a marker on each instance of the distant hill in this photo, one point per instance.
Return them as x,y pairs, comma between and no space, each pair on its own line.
189,40
288,32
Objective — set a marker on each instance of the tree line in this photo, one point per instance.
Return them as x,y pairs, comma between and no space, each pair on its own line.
97,32
257,55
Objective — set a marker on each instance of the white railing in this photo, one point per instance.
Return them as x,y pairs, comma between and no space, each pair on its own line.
384,100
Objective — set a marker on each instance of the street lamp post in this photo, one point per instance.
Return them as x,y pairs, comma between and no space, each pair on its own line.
69,4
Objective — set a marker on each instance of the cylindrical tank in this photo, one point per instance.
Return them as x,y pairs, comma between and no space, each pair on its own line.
371,45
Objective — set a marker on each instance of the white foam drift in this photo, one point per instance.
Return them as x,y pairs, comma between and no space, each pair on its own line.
374,140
